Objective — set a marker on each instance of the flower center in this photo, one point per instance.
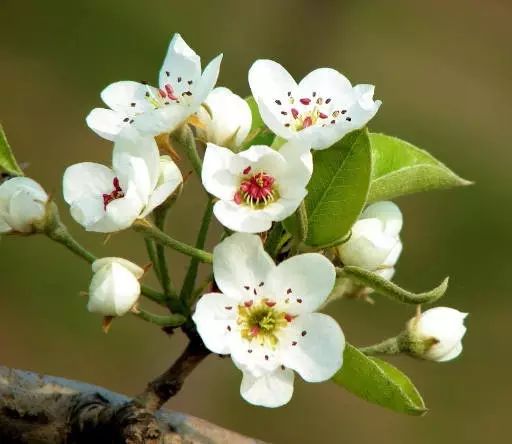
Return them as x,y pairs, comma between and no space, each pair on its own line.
180,90
309,111
256,190
261,321
117,193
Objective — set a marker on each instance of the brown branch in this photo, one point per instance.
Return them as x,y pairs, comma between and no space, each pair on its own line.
169,383
46,409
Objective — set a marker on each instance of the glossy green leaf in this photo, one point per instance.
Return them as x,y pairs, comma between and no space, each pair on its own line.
400,168
259,133
378,382
7,159
337,190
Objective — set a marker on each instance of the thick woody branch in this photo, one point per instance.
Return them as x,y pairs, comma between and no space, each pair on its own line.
169,383
46,409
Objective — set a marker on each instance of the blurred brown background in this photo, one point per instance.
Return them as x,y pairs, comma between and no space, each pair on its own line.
443,71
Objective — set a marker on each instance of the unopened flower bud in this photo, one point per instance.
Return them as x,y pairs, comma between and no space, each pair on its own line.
375,241
115,287
22,205
227,120
436,334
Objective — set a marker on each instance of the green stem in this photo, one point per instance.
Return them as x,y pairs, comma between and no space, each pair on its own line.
151,249
151,232
174,320
190,278
389,289
200,288
160,215
58,232
184,138
302,222
390,346
273,239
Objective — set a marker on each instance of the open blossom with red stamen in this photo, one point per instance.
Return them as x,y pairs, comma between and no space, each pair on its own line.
139,108
107,200
258,186
318,111
265,318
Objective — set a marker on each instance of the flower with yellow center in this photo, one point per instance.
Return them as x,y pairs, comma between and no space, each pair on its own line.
265,318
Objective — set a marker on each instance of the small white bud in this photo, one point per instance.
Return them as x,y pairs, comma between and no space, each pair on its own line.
375,243
22,205
230,120
115,287
437,334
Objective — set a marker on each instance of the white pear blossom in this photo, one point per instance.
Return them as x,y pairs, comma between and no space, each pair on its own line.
107,200
319,110
152,111
375,243
22,203
227,119
257,186
444,327
264,318
115,286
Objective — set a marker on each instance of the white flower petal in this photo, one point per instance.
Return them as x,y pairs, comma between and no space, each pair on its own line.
169,180
215,319
269,81
127,97
230,120
162,120
241,217
263,158
121,213
113,290
87,211
388,213
444,324
282,208
271,390
207,82
455,352
25,208
318,351
304,280
181,62
326,83
98,264
106,123
216,174
144,148
87,179
240,261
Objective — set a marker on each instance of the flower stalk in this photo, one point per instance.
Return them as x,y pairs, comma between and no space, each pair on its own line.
173,320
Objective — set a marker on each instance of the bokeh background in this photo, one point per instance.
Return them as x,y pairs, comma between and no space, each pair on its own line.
443,71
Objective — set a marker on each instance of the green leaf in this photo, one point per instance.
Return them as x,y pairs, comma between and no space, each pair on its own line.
400,168
259,133
378,382
337,190
389,289
7,159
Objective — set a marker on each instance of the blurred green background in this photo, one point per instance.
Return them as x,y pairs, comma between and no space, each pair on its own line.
443,71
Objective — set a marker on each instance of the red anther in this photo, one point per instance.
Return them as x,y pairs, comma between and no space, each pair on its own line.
162,93
308,121
247,170
248,303
322,115
237,198
255,330
270,303
288,317
170,92
305,101
116,193
295,113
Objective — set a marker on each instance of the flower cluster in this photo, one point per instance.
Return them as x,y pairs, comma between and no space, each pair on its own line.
269,280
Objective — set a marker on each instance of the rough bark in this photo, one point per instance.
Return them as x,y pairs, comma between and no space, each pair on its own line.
40,409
